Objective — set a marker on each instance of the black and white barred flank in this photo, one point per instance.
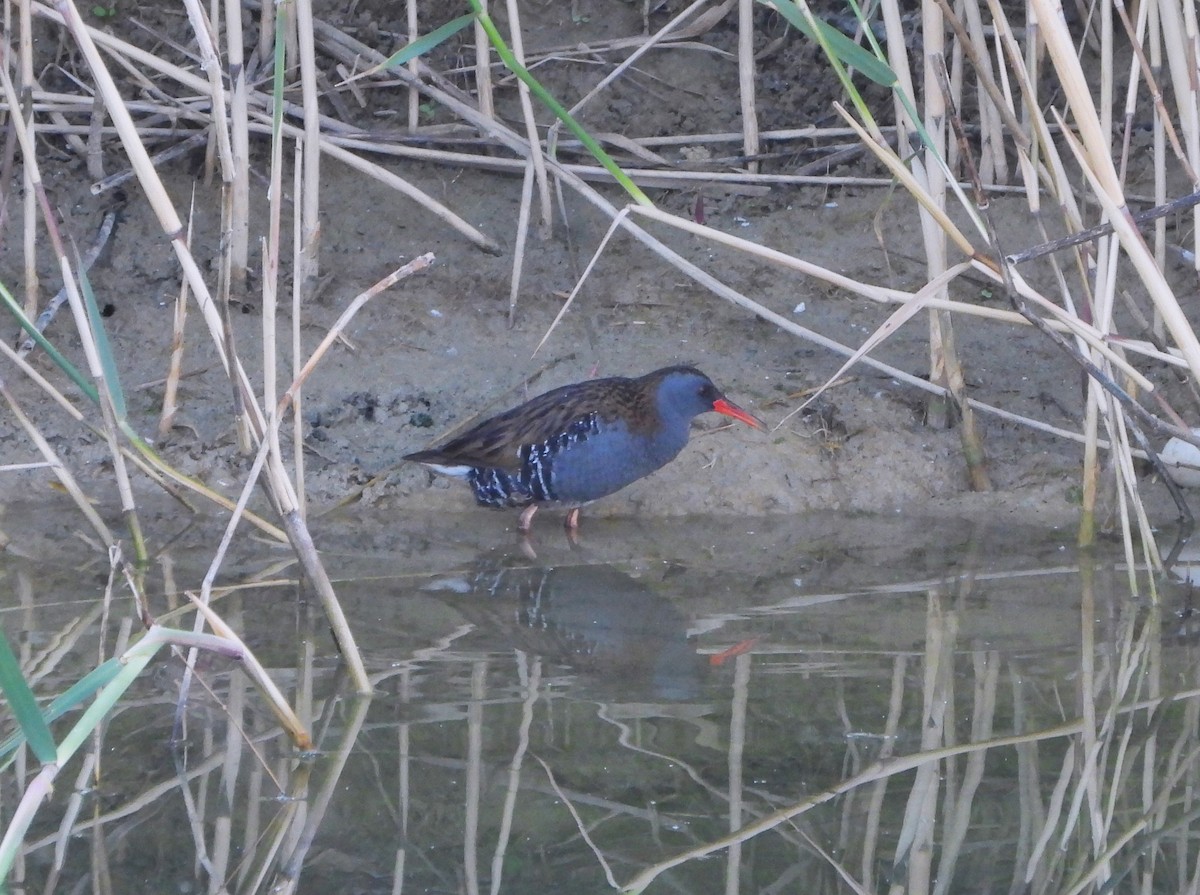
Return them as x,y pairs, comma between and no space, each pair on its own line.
533,481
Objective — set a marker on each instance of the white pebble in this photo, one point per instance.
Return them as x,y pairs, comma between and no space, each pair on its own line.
1182,460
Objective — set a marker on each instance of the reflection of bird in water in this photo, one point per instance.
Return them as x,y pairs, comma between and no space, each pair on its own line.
595,618
578,443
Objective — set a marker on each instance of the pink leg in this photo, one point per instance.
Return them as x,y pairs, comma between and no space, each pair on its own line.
572,522
526,520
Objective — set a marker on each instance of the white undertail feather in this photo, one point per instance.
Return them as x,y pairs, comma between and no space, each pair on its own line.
459,471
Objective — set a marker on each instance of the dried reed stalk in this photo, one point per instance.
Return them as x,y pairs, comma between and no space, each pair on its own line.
414,95
166,420
239,137
308,272
29,195
746,88
483,68
534,172
298,302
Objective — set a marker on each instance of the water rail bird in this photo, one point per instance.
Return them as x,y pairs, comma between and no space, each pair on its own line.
580,442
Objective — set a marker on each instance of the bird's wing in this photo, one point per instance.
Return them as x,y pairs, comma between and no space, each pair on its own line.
496,442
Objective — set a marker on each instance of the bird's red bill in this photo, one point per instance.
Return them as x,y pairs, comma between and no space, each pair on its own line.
721,405
736,650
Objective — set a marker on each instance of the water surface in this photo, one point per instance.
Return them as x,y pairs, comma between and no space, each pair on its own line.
692,705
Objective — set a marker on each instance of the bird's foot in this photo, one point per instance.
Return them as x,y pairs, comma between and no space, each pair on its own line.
525,522
526,547
571,524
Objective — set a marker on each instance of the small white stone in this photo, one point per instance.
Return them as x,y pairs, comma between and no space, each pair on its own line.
1182,460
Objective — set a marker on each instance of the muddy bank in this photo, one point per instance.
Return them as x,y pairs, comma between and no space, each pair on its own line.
423,357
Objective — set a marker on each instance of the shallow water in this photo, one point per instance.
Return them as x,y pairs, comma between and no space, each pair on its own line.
563,718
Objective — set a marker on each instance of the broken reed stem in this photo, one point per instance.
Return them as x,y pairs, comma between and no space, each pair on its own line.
1157,213
183,147
522,237
536,154
414,95
402,273
308,271
535,171
210,63
166,420
206,584
947,353
283,712
297,529
239,136
483,66
28,197
745,58
298,172
271,248
969,432
1088,119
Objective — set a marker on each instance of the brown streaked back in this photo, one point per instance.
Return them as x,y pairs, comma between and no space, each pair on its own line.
495,443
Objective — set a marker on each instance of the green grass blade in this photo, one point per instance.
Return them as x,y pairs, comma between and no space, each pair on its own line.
129,667
61,362
75,696
869,34
838,45
535,87
837,49
423,45
24,705
108,361
127,670
124,671
812,27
